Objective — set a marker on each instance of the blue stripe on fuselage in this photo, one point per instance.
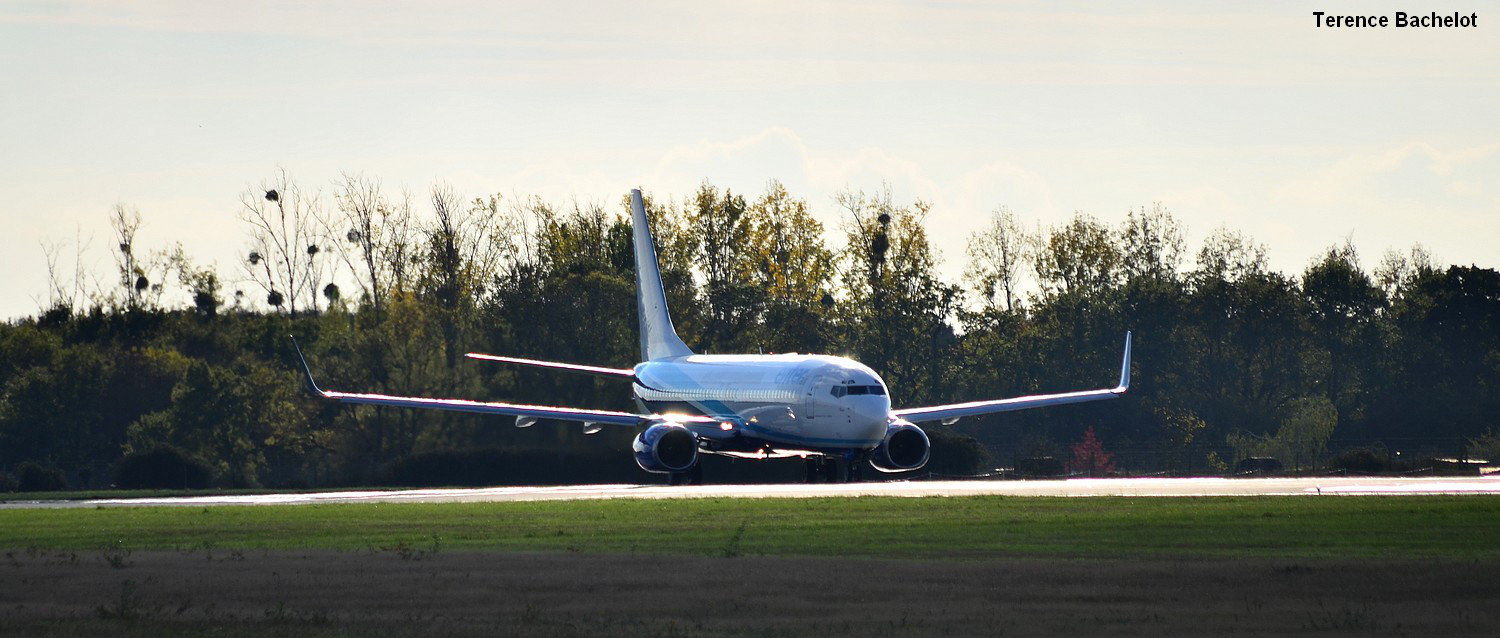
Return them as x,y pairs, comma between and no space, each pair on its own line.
770,436
846,443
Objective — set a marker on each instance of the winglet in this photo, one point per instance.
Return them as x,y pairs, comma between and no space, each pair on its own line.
1125,368
311,384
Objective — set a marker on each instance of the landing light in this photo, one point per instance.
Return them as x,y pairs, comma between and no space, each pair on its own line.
726,426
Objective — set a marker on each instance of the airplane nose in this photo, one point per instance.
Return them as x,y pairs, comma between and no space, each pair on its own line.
872,416
873,409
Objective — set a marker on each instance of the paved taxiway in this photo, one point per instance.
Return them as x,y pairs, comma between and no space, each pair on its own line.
1070,487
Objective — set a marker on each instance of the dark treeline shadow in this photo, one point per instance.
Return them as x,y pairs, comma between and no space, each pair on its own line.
1333,367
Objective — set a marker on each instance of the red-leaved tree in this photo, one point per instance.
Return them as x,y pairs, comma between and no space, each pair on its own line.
1089,456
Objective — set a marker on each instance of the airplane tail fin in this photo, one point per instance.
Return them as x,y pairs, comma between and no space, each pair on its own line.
659,339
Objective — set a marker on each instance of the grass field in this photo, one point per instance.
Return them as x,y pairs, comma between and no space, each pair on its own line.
875,566
1447,527
83,495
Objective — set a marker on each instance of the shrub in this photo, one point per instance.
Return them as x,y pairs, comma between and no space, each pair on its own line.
1486,447
956,454
1039,466
1361,461
33,477
162,466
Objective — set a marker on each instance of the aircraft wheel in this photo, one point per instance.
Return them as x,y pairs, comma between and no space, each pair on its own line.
852,472
674,478
830,470
695,475
813,469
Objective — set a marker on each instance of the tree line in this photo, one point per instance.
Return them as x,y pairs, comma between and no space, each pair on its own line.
175,360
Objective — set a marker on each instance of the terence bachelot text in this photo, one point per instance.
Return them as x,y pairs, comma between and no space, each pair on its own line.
1400,20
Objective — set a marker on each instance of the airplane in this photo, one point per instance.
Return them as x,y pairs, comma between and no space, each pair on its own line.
822,408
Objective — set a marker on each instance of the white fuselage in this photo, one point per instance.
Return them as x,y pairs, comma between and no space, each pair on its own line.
782,403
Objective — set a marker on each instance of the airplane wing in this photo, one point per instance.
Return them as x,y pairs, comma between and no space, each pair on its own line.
950,413
483,407
522,412
625,373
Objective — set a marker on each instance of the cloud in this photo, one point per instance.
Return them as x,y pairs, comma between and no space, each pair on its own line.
1024,191
1392,172
744,163
794,43
961,202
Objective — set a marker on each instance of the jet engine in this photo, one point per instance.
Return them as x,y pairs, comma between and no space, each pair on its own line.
905,447
665,448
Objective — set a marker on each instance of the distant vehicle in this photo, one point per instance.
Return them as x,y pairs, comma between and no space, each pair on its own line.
825,409
1258,465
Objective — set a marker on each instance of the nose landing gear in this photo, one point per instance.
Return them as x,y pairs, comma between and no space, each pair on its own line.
826,469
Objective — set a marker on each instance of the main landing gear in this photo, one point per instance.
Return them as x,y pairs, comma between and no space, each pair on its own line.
827,469
694,476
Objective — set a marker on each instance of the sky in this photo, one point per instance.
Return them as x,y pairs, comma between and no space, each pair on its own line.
1235,114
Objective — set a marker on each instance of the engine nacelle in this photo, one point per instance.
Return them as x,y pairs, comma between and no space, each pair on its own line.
905,447
665,448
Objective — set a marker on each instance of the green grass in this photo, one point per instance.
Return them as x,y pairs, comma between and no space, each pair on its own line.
1447,527
89,495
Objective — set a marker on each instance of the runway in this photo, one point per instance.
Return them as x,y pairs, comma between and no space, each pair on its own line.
1131,487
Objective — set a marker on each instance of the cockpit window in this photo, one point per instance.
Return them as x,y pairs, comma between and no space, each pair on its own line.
841,390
